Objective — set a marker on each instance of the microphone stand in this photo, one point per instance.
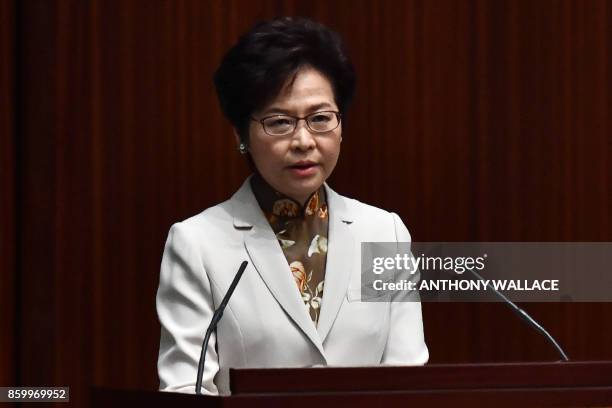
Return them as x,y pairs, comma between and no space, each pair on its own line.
525,316
213,324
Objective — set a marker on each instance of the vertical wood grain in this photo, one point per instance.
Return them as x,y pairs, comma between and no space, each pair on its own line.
37,179
7,194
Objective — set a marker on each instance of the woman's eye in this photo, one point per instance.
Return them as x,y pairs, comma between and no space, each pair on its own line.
279,122
320,118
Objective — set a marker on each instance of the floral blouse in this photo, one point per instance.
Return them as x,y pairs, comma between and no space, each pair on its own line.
302,235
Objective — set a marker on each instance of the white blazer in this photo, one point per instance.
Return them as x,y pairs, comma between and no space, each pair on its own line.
265,323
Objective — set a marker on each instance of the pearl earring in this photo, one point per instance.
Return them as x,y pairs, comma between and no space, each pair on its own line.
242,148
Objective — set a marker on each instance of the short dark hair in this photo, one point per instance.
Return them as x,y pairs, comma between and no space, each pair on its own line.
255,69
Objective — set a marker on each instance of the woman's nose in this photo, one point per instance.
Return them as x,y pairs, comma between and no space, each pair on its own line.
303,139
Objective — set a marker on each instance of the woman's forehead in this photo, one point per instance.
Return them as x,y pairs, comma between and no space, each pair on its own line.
307,91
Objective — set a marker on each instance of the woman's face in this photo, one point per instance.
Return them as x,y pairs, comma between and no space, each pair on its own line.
297,164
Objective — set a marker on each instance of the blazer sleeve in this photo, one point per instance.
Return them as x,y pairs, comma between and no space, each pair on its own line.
406,342
185,308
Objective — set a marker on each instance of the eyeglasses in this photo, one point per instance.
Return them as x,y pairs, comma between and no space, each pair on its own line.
317,122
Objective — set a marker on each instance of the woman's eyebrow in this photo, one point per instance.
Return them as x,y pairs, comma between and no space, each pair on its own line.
275,110
319,106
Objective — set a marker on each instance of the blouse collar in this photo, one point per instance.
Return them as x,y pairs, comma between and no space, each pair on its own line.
281,205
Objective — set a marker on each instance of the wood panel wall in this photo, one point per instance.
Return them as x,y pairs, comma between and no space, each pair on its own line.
475,121
7,194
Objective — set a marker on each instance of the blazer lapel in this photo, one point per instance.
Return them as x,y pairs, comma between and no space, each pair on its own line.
268,259
339,261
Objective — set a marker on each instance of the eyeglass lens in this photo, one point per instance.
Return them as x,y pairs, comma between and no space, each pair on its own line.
317,122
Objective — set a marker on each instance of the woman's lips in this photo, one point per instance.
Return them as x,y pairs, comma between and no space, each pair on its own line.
304,170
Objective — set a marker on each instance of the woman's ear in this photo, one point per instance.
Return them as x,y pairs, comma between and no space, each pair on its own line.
242,146
236,136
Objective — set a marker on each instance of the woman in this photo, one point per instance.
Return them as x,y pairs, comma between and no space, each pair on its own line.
284,87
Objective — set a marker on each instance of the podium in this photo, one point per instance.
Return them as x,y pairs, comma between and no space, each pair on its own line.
587,383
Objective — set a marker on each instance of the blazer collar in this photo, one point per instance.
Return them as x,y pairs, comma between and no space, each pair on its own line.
247,213
269,261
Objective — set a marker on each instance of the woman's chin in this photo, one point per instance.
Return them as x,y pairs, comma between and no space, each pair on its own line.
303,189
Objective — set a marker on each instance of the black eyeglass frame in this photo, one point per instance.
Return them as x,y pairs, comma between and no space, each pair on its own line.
297,120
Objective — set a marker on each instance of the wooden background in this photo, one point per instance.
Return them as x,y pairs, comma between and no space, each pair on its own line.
474,120
8,299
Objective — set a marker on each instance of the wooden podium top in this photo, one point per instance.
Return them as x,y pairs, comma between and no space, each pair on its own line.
428,377
587,383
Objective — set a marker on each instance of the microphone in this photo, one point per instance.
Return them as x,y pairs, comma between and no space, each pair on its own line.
213,324
525,316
